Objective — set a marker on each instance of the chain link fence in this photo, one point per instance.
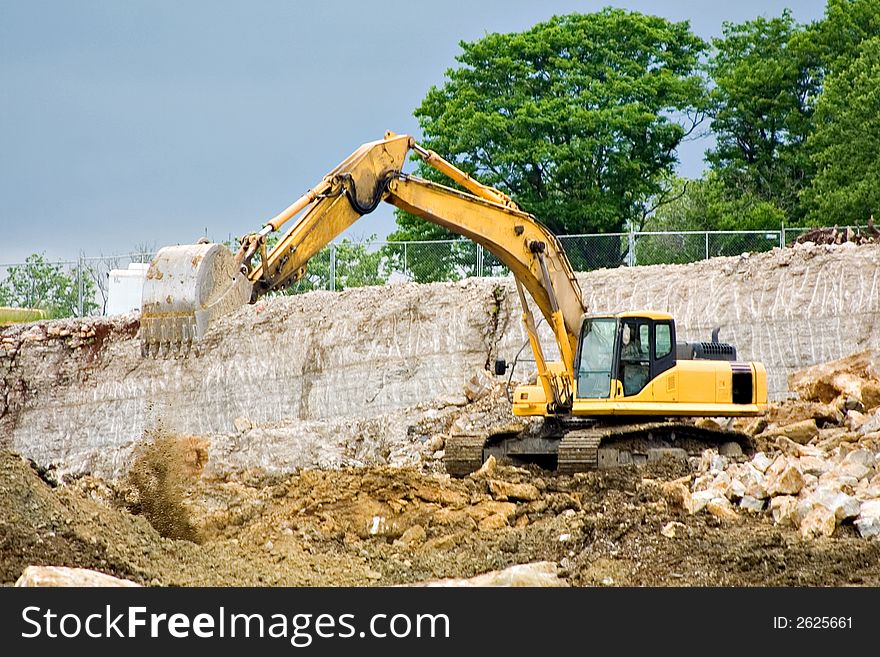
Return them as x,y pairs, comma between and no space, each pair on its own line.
348,264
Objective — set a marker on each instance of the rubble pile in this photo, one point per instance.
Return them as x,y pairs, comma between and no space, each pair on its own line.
817,468
836,235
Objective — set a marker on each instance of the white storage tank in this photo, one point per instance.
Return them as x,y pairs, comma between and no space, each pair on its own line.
125,288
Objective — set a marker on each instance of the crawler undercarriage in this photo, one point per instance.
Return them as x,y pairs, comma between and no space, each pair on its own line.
570,446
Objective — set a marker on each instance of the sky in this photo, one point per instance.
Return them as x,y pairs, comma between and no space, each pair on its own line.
130,124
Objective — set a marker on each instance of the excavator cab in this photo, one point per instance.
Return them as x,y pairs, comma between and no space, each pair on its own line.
619,355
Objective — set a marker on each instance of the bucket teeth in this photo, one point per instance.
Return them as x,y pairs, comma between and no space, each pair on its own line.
187,288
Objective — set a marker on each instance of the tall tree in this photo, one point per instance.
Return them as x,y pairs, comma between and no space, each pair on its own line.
846,144
767,75
577,118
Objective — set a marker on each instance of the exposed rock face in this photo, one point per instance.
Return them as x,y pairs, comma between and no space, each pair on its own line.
298,381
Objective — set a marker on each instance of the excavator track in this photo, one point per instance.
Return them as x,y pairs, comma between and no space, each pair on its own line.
597,446
579,451
463,454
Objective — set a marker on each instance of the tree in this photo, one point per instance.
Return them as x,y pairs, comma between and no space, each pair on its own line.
767,75
846,144
41,284
578,118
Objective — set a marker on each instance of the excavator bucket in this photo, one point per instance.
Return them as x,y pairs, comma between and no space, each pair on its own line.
187,287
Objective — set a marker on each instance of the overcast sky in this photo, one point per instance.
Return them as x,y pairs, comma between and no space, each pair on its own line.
133,122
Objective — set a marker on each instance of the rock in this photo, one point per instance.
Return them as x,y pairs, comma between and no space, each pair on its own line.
868,522
784,510
871,424
479,385
861,456
721,508
487,469
412,536
789,481
493,522
761,462
756,426
871,394
677,494
799,432
854,420
818,522
62,576
539,574
670,528
842,505
700,499
435,443
735,490
827,381
504,490
752,504
852,469
708,423
813,465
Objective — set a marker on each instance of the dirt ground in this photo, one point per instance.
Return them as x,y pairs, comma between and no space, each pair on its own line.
386,526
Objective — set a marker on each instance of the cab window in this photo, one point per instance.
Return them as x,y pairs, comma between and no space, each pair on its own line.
635,353
662,340
596,358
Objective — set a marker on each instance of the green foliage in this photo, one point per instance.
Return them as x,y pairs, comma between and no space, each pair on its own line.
703,204
44,285
578,118
355,266
846,25
767,76
846,144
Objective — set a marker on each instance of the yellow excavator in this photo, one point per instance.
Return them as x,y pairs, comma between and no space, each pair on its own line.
622,388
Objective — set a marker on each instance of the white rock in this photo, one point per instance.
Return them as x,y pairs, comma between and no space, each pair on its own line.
868,522
842,505
852,469
752,504
63,576
813,465
862,456
761,462
868,527
735,490
784,510
700,499
718,463
542,573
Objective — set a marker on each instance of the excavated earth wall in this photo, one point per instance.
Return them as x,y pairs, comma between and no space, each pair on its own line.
329,379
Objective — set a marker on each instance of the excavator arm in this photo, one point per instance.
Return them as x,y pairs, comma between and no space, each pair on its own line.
372,174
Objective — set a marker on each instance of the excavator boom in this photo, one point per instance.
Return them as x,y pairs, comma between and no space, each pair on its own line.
189,286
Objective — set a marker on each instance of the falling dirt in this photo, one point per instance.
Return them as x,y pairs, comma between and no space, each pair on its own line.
387,526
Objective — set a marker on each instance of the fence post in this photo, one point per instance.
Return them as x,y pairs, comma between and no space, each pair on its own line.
782,236
631,248
479,271
79,283
332,267
404,259
707,245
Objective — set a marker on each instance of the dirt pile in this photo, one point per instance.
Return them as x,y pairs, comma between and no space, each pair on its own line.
387,526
